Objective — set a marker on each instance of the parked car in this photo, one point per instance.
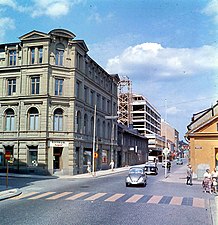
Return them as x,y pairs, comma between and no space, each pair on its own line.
179,161
136,176
151,168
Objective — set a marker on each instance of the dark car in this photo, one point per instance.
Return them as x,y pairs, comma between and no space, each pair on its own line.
136,176
151,168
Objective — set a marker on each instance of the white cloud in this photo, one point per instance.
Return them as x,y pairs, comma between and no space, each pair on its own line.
9,3
212,9
151,60
36,8
6,23
52,8
173,110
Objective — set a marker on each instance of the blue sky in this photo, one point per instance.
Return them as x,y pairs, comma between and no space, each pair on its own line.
168,48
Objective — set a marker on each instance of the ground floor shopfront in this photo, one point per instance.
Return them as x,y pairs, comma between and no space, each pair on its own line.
58,156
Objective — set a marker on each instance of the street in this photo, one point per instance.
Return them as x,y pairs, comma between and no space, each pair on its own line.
106,200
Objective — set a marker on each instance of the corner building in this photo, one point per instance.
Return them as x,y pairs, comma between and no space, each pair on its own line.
49,89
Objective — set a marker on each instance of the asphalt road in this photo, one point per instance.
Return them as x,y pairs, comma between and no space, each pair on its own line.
105,201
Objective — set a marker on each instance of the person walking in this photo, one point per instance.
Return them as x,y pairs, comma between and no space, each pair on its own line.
168,166
189,175
207,182
112,164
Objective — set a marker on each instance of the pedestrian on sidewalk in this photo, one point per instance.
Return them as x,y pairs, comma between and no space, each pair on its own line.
112,164
168,166
207,182
189,175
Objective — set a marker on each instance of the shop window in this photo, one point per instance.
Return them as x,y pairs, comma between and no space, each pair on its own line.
33,156
9,120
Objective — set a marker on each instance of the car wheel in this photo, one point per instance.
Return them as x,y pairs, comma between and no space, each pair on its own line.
127,185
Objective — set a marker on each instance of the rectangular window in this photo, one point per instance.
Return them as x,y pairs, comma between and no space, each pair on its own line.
35,81
58,122
59,86
34,121
11,86
98,101
40,54
9,126
32,55
86,94
12,57
108,106
103,103
92,98
78,87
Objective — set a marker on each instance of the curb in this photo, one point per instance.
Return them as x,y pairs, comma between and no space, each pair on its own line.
9,194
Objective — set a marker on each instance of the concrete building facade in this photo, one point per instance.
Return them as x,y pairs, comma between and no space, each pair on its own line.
49,89
147,120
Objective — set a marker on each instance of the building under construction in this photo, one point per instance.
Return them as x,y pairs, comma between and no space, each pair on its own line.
137,111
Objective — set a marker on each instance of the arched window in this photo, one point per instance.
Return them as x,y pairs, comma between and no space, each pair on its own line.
33,118
58,120
59,54
85,124
103,129
108,130
98,132
78,122
92,126
9,120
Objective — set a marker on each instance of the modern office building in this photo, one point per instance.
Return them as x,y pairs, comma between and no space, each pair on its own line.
147,120
49,89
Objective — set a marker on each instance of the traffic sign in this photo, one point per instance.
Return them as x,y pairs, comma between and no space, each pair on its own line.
95,155
7,155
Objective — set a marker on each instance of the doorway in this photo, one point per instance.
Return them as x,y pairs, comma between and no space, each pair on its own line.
57,162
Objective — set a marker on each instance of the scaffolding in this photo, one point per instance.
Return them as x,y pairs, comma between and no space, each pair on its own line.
125,100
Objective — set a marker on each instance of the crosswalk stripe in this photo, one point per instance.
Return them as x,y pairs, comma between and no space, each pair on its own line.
176,201
96,196
198,202
154,199
59,196
114,197
76,196
26,195
134,198
41,195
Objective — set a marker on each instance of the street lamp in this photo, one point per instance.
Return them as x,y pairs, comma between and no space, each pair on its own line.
112,118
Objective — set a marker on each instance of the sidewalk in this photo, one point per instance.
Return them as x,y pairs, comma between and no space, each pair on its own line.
179,176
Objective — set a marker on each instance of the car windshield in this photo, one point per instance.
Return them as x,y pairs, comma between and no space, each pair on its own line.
136,170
